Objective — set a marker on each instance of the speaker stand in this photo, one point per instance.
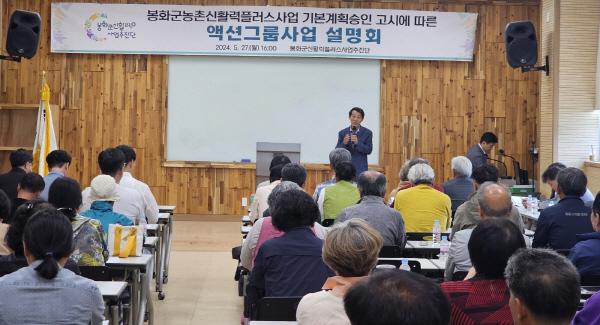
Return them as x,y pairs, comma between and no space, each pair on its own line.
10,58
545,67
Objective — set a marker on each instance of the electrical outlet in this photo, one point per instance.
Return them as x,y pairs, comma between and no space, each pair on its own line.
244,201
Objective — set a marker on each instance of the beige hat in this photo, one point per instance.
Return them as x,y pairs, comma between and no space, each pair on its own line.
104,188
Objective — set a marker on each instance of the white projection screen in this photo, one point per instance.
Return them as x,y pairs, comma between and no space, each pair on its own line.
219,107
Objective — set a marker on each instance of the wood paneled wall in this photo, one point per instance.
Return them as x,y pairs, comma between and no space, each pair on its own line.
429,109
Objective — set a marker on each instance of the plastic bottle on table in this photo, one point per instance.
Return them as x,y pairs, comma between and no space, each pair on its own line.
404,266
444,247
529,203
437,231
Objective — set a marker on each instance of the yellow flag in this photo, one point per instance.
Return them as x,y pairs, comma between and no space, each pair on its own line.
45,138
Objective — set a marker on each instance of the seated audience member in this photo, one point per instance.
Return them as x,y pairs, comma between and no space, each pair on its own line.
292,173
350,250
468,214
494,201
5,211
263,228
544,287
558,225
53,294
549,177
14,238
88,242
289,265
483,299
336,156
260,204
150,205
585,255
103,195
460,188
29,188
421,205
342,194
404,183
396,297
278,159
21,162
58,165
131,202
590,314
372,208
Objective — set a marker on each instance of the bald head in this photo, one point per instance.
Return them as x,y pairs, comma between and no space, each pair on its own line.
371,182
494,200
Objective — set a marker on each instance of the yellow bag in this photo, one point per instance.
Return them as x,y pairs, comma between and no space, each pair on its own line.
124,241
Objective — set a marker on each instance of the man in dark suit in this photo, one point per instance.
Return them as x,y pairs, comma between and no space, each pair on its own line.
357,139
21,162
478,153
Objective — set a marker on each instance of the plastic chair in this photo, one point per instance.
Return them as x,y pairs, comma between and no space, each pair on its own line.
390,251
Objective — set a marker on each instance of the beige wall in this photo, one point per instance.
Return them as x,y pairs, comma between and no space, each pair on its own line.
568,122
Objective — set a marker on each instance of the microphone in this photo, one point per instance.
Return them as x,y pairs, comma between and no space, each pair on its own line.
500,161
503,153
516,165
352,132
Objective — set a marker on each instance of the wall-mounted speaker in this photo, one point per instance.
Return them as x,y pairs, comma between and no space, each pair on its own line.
23,36
521,44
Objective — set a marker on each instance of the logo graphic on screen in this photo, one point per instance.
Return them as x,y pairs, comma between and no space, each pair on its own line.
98,28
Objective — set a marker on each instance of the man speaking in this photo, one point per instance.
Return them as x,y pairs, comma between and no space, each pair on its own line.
357,139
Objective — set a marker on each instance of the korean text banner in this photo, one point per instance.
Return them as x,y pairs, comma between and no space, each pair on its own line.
262,31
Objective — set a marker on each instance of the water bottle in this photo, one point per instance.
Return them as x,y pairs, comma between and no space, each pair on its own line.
534,204
437,231
444,247
404,266
529,203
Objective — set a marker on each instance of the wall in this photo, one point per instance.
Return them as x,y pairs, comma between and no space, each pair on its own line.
430,109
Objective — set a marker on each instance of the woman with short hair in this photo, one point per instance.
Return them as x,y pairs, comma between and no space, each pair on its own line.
350,250
58,295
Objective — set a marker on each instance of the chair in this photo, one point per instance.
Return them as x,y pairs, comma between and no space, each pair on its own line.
101,273
590,280
418,235
459,276
276,309
415,266
563,252
328,222
390,251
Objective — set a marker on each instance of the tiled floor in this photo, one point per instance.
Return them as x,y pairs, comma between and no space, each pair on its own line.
201,289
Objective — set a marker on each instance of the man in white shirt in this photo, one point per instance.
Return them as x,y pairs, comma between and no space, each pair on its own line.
131,203
151,207
259,205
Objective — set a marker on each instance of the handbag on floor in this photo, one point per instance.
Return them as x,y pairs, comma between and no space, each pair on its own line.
124,241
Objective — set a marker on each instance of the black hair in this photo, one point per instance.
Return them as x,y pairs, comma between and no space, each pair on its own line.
357,110
5,207
369,185
48,236
545,282
293,209
111,161
596,205
492,243
294,173
572,181
275,172
14,234
279,159
488,137
20,157
128,152
397,297
552,171
345,171
57,158
65,195
485,173
32,182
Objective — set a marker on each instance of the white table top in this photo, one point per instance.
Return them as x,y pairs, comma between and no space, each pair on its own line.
246,218
152,226
245,229
129,261
164,215
425,263
111,289
518,203
169,208
262,322
440,263
151,241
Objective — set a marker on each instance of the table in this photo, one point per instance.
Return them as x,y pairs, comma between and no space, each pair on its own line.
245,229
158,261
138,268
165,220
426,264
263,322
530,217
166,208
111,291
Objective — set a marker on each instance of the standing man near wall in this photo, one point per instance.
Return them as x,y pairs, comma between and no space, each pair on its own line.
479,153
357,139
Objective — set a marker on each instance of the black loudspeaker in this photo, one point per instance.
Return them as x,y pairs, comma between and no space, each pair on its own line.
23,37
521,44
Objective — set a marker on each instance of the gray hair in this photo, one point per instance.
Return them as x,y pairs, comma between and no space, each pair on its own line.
371,182
490,209
462,166
280,188
546,282
408,164
338,155
421,174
